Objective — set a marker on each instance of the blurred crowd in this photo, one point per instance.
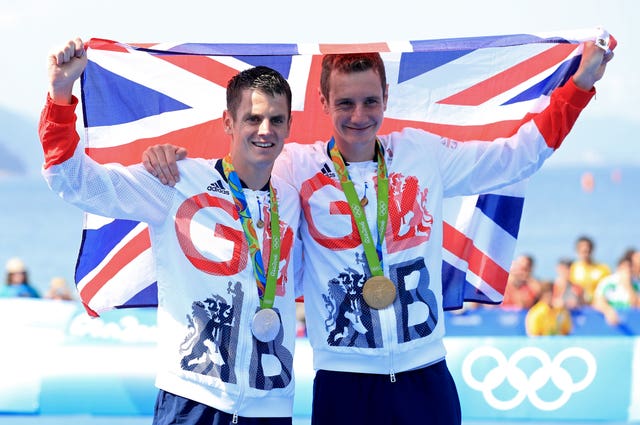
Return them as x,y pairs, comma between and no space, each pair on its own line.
578,282
18,284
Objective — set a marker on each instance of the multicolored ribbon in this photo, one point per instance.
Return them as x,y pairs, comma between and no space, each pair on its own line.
266,282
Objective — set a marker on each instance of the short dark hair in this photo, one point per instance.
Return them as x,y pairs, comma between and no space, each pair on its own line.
624,259
586,239
351,62
261,78
565,261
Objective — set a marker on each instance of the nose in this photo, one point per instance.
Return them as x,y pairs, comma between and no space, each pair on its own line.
265,127
359,113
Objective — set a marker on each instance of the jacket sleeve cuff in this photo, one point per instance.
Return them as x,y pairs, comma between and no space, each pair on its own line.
576,96
57,131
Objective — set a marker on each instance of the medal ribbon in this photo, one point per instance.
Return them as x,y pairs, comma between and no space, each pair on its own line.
373,253
266,283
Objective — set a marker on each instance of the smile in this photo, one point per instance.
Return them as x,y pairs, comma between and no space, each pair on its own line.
359,128
263,144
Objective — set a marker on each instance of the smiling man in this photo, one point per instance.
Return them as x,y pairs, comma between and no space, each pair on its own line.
222,242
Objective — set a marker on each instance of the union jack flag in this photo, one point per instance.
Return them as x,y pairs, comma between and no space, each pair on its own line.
479,88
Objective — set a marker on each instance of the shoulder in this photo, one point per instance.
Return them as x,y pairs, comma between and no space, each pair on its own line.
607,282
195,165
296,156
413,142
293,149
409,135
283,187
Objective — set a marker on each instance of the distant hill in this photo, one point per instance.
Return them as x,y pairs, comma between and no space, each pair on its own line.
20,152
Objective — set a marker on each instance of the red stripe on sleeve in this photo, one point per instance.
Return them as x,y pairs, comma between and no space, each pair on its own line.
57,130
566,104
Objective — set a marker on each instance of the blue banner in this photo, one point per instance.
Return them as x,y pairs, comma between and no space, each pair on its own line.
544,378
57,360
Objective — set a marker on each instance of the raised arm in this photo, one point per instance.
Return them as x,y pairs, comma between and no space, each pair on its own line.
65,65
110,190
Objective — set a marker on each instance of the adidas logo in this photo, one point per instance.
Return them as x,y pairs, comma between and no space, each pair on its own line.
327,171
217,187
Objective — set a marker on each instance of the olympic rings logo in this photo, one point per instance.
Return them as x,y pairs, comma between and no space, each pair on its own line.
528,386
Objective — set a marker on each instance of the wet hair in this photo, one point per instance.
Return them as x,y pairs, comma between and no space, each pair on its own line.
351,62
261,78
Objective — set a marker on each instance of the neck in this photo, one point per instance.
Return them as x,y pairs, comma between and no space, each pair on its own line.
254,178
357,153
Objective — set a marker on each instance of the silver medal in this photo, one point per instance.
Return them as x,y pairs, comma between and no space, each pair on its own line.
265,325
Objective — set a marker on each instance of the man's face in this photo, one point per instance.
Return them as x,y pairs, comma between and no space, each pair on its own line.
521,268
258,131
356,106
583,251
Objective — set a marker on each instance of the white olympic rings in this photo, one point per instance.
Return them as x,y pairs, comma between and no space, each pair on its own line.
528,386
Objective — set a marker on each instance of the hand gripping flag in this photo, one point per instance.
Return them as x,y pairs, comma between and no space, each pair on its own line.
480,88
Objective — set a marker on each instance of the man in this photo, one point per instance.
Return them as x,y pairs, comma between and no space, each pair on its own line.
566,294
585,271
372,238
523,289
617,291
226,309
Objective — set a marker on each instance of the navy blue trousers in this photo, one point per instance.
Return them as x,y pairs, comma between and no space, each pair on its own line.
426,396
172,409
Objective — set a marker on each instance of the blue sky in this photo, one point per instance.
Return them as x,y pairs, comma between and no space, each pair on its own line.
30,28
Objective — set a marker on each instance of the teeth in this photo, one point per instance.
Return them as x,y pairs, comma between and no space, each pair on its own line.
263,145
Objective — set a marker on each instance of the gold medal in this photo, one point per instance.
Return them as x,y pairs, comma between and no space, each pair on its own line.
260,224
364,201
379,292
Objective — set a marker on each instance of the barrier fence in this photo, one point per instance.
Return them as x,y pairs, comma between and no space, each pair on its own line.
55,360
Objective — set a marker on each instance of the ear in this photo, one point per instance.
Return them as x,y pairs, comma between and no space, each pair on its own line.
324,102
227,122
289,126
385,97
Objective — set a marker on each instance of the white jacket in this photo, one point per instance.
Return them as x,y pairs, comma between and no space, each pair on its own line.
207,292
347,335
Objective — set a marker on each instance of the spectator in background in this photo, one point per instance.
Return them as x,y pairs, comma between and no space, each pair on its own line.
522,288
566,294
17,282
635,264
634,256
58,290
616,292
585,271
544,318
